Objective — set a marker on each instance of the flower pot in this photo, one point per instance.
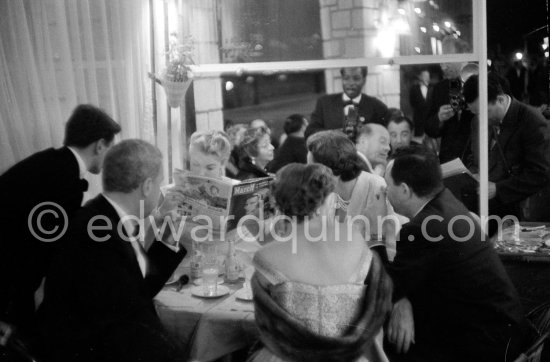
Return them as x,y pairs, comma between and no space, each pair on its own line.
175,91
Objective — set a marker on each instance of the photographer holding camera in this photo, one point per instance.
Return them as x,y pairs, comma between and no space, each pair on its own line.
448,117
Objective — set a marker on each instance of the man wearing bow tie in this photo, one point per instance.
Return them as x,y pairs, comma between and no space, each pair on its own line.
518,148
55,176
332,109
98,295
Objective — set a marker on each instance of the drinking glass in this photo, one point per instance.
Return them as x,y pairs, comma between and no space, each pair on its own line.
210,269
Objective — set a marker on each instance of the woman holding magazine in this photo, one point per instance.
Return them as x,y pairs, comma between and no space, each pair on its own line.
208,154
319,300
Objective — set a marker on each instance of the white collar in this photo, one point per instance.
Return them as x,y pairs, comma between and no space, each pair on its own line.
357,99
421,208
82,171
130,227
507,106
369,165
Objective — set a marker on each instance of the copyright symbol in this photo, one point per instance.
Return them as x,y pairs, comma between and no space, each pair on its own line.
54,229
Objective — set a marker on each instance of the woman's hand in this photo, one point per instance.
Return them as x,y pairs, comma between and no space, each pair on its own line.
172,198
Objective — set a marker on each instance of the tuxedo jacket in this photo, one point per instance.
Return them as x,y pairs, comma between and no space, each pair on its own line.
51,175
329,113
292,150
420,106
455,132
465,306
518,162
95,295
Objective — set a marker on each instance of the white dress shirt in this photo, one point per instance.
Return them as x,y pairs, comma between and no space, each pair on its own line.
130,227
355,100
81,165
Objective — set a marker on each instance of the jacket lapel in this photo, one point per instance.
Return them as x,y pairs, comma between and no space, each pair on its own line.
339,109
508,127
509,124
116,242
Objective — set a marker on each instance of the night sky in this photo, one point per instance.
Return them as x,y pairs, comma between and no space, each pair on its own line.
509,20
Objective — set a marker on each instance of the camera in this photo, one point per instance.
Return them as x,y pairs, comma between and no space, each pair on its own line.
351,124
456,98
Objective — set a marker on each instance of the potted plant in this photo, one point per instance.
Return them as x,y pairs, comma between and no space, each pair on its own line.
177,75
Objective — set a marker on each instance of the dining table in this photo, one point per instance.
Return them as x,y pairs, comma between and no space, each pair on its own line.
208,328
525,254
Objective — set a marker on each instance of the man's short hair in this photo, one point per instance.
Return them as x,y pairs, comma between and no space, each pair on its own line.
419,168
294,123
364,71
399,120
128,164
88,124
367,130
494,88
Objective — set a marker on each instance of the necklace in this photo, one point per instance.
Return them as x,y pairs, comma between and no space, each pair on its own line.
341,203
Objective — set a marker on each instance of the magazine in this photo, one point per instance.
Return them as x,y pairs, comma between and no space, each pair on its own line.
461,182
223,201
455,167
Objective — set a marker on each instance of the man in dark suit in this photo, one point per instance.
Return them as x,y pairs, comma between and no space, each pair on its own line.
448,118
420,97
98,301
518,154
55,176
293,149
453,299
332,109
516,77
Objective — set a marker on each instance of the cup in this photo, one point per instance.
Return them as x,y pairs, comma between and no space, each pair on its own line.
209,268
210,279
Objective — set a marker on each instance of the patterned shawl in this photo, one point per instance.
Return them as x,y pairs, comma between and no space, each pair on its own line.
287,338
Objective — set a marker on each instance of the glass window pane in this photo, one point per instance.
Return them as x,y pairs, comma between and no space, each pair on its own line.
250,31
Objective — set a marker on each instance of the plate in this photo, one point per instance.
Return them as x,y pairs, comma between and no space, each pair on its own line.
244,294
198,281
197,291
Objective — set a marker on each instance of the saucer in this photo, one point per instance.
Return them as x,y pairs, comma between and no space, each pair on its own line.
244,294
197,291
198,281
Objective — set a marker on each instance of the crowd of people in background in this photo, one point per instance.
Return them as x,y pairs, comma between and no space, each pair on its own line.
389,290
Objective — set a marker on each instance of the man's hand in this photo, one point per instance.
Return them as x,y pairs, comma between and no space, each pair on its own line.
491,190
401,326
6,331
445,113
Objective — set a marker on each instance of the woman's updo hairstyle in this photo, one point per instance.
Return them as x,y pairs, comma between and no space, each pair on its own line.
212,142
252,138
334,150
301,189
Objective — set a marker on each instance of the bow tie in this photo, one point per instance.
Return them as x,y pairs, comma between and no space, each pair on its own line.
83,185
350,103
